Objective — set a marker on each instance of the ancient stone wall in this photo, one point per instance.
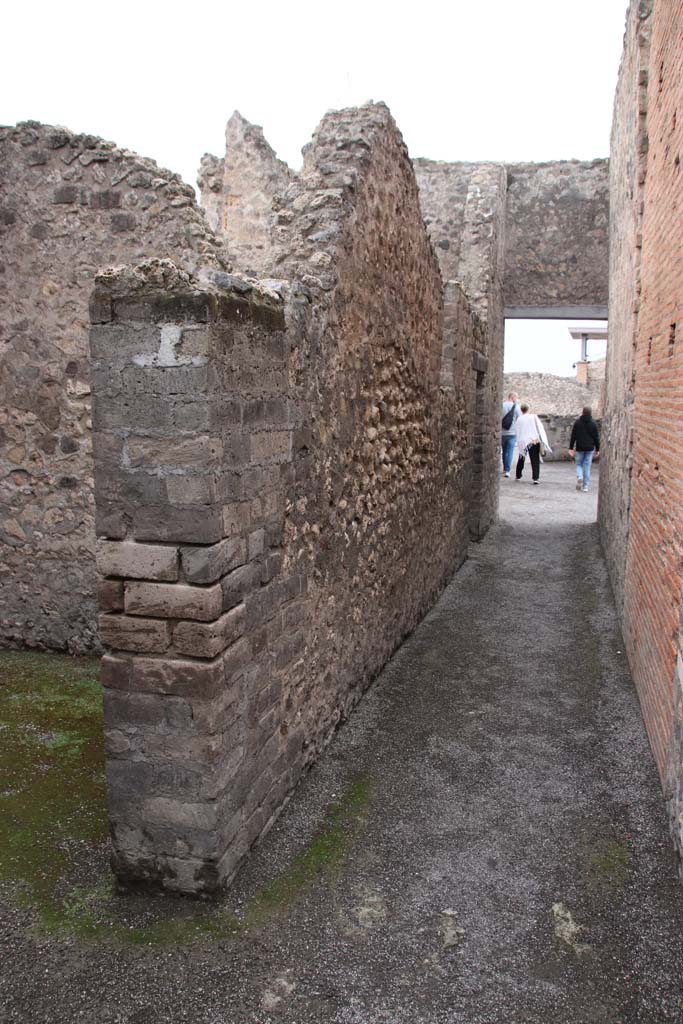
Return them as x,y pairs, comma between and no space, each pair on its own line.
237,193
464,209
556,250
628,167
68,205
266,546
555,235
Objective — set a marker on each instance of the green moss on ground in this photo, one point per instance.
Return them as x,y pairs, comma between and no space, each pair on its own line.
54,839
323,856
51,770
608,862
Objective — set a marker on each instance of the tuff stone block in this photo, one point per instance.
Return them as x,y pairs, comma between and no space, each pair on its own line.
173,601
206,640
210,563
200,524
124,633
137,561
237,585
201,680
110,595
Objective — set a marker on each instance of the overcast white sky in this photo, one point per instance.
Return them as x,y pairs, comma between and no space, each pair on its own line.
475,80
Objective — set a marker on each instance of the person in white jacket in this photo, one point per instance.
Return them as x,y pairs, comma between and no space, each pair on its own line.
531,436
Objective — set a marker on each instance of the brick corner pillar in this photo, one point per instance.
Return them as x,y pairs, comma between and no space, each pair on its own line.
176,558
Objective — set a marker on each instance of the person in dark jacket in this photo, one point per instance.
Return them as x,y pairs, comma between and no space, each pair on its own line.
584,444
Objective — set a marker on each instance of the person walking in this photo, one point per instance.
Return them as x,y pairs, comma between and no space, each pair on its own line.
584,446
532,440
508,437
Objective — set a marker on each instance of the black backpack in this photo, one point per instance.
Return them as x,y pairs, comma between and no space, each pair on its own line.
508,418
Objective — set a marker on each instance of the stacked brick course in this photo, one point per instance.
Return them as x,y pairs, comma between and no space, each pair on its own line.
192,429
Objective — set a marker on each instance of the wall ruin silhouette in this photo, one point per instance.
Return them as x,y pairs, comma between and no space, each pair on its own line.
332,469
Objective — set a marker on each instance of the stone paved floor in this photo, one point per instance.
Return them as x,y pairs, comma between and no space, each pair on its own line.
503,856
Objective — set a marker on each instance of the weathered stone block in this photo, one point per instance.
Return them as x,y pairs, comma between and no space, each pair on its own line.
175,813
137,561
174,452
132,710
273,445
209,563
124,633
174,601
116,672
65,194
236,518
110,595
236,659
238,584
191,524
256,543
202,680
206,640
186,489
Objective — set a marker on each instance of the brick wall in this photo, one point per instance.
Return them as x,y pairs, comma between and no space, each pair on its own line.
652,590
628,165
645,375
69,204
282,491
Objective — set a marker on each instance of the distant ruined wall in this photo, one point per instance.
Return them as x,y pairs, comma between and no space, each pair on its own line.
237,192
558,401
628,168
556,249
69,204
267,546
549,394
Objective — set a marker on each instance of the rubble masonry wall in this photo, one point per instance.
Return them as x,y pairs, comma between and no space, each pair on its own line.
69,204
464,210
556,249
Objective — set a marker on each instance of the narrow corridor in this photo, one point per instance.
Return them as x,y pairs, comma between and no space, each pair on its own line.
499,849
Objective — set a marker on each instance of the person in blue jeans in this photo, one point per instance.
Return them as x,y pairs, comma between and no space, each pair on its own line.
584,445
508,437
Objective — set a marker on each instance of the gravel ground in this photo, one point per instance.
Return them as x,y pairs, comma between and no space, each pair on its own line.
505,857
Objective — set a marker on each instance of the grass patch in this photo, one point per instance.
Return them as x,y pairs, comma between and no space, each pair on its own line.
54,823
51,771
607,863
54,835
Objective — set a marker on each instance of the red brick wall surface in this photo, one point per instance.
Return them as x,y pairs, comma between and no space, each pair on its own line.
654,560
